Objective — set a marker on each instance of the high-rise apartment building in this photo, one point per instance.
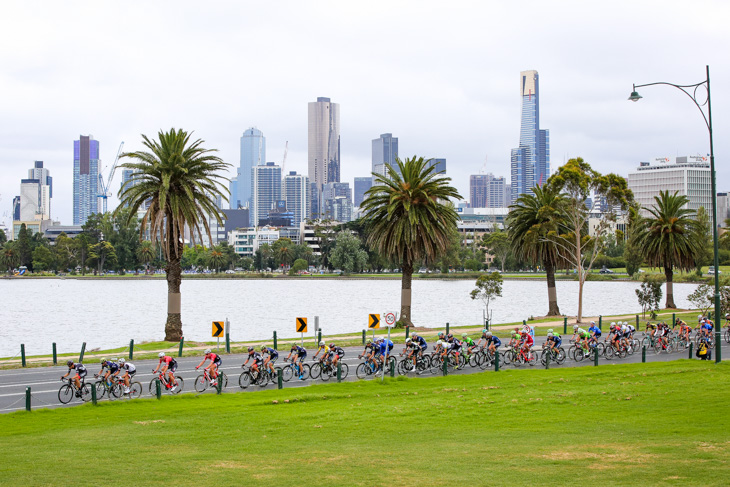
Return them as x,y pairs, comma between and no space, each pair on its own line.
43,176
385,150
85,179
530,161
337,201
361,186
688,175
486,191
253,153
296,193
323,146
266,190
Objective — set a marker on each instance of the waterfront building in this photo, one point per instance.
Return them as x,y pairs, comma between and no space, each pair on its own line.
361,186
530,161
296,193
45,181
266,190
85,179
323,151
246,241
688,175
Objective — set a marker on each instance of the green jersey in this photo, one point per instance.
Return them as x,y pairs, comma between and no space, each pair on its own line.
469,341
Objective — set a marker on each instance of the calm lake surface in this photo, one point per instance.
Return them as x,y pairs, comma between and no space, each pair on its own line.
108,313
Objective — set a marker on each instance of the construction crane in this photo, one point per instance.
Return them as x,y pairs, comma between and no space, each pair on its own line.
104,187
283,160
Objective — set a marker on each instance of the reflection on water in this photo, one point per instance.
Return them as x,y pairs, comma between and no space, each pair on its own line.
108,313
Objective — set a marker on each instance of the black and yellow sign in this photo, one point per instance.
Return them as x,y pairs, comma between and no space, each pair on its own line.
301,325
217,329
374,321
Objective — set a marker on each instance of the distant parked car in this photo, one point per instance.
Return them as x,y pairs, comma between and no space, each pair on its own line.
711,270
229,271
606,271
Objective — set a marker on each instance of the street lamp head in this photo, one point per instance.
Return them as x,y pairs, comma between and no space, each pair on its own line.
635,96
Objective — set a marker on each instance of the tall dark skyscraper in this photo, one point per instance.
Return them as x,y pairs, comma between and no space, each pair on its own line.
530,162
85,179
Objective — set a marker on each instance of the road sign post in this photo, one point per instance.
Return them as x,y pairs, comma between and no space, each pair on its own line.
228,336
217,332
387,351
301,327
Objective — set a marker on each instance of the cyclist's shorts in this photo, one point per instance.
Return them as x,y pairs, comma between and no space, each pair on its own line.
81,375
218,361
172,368
131,373
273,357
302,355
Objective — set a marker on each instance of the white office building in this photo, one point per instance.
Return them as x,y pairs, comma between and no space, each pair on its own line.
688,175
246,241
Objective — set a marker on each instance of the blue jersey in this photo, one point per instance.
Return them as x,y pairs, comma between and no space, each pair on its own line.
271,352
707,326
422,342
595,329
383,347
112,366
493,340
302,352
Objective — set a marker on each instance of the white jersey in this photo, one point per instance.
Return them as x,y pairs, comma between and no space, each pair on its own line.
129,367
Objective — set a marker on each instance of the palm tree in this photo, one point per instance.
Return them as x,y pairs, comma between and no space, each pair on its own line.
667,238
10,257
217,258
532,223
180,181
146,253
410,218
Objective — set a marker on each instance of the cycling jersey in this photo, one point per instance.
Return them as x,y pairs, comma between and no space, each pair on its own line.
707,327
215,358
469,342
493,340
596,330
255,356
556,339
389,344
273,354
422,342
338,350
80,369
130,368
455,345
170,362
528,341
112,367
583,334
300,351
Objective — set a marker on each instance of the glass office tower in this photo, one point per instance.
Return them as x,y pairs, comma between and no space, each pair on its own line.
85,179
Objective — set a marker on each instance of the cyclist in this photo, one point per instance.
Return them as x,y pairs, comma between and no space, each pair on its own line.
128,370
617,337
322,348
526,343
455,346
554,340
79,373
421,344
514,340
661,333
215,362
595,333
108,368
297,355
385,347
167,365
468,342
413,350
270,356
581,337
255,358
370,353
684,330
706,328
492,342
335,354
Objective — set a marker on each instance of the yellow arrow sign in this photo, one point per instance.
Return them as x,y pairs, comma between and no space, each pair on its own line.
217,329
374,321
301,325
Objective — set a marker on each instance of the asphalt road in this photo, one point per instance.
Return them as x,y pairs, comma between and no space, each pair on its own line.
45,382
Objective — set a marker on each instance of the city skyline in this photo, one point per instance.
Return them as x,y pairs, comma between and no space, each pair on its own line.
453,96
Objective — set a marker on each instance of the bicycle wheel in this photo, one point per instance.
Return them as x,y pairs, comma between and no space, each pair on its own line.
153,389
560,359
325,374
571,352
345,370
65,394
100,389
306,370
85,392
201,383
116,391
287,372
506,357
316,371
180,386
263,378
402,368
244,380
609,352
361,371
135,390
485,360
578,355
658,347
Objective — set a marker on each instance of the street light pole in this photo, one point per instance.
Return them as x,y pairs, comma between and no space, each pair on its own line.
708,122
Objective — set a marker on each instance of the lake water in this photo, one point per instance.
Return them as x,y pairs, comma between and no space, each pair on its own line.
108,313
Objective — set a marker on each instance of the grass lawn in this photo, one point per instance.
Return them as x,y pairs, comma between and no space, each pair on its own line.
642,424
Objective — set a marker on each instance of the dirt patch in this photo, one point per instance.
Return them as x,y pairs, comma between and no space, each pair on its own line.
149,422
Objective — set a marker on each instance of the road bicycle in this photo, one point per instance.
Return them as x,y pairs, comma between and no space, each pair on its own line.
557,356
69,390
204,381
106,387
257,377
298,369
485,358
165,384
525,357
367,368
326,369
422,363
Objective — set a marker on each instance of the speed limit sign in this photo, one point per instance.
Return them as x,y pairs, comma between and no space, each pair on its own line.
390,319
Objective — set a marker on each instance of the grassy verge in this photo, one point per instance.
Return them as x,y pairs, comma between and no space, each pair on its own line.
616,425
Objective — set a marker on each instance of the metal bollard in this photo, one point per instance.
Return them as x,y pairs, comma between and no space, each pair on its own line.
447,328
158,388
444,365
93,394
496,360
600,322
408,331
637,322
55,356
83,349
674,320
131,349
219,384
547,359
279,379
392,368
182,342
363,337
27,398
22,354
228,343
565,325
276,343
595,357
339,371
643,354
691,345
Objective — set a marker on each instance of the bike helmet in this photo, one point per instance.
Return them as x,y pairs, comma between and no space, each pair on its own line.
613,323
550,334
489,333
575,327
450,335
321,343
161,354
441,333
484,330
122,361
593,322
408,340
439,343
550,330
250,349
369,341
70,363
263,348
332,345
102,361
207,351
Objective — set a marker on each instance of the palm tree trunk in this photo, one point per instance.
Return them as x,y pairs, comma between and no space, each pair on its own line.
670,287
553,309
173,326
405,294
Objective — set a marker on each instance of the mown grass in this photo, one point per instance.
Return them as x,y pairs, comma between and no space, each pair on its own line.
641,424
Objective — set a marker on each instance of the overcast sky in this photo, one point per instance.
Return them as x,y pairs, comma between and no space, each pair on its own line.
441,76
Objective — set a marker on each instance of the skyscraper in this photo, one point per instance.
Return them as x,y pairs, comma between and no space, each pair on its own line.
486,191
385,150
253,153
295,189
530,162
323,146
41,177
439,164
361,186
85,179
266,191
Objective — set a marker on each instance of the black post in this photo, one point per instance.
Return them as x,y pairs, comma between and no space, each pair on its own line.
447,328
228,343
22,354
55,357
363,337
131,349
276,344
83,349
279,379
27,399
